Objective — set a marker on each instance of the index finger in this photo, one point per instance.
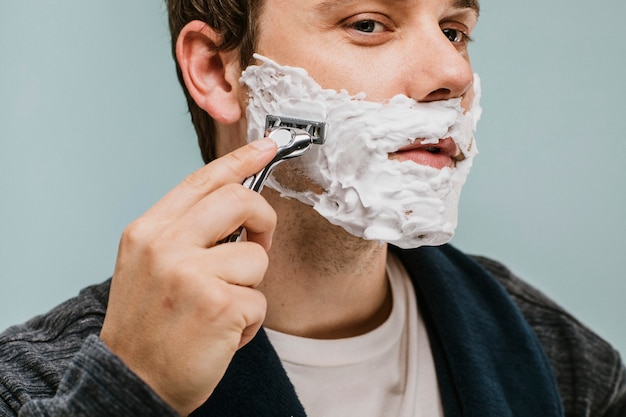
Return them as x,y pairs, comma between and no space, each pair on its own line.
233,167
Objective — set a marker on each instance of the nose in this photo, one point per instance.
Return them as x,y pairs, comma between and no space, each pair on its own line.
438,70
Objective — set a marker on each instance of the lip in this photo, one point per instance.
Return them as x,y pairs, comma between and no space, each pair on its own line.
444,153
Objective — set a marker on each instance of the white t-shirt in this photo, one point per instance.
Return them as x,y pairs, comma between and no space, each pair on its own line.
386,372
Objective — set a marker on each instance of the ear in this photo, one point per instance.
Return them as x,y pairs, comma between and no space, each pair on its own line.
211,76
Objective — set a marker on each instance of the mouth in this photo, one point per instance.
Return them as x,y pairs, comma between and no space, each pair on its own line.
444,153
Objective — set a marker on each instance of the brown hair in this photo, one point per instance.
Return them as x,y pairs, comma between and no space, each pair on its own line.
236,21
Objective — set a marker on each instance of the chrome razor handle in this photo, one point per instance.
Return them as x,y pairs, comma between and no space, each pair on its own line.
292,142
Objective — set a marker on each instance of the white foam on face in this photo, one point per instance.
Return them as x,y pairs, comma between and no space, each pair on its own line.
366,193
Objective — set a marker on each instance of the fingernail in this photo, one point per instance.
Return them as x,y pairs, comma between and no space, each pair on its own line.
264,144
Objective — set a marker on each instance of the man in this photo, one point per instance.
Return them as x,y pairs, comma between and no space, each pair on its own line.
351,325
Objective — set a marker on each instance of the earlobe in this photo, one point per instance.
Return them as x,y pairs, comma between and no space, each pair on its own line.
211,76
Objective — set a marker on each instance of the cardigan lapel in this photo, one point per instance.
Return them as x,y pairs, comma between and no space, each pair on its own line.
255,384
489,361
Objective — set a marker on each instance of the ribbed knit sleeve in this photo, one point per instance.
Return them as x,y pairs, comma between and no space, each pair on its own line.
55,365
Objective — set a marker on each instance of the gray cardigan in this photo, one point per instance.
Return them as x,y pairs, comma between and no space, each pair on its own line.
55,365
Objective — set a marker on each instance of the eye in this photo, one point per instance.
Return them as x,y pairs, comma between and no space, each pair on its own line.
368,26
456,35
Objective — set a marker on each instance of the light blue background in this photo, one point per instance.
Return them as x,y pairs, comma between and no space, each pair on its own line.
94,129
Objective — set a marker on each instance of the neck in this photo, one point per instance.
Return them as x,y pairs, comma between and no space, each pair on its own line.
322,282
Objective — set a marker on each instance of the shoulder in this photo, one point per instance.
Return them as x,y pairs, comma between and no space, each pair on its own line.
590,373
34,355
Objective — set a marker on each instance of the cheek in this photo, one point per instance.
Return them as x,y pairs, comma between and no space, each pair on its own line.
231,136
377,82
468,98
289,176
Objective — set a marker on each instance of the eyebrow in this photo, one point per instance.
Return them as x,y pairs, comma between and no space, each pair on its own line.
467,4
328,5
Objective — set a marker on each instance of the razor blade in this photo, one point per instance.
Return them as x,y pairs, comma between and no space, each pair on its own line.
317,130
294,137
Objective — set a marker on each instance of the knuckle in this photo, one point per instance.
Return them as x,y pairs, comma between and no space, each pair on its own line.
212,175
135,233
273,217
218,299
260,257
235,159
238,190
238,194
181,283
145,244
177,274
261,301
199,180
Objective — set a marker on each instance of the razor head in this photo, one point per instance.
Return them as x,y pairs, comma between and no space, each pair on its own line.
316,129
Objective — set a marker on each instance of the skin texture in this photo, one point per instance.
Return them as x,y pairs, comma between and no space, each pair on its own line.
341,277
177,313
174,285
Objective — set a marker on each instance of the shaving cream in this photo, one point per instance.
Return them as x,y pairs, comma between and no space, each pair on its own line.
368,194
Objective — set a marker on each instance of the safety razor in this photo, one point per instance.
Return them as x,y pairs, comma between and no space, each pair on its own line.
294,137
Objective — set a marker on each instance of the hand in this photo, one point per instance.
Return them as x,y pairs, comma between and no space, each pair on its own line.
180,304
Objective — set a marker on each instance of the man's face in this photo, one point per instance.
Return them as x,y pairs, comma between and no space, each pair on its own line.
381,47
393,164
